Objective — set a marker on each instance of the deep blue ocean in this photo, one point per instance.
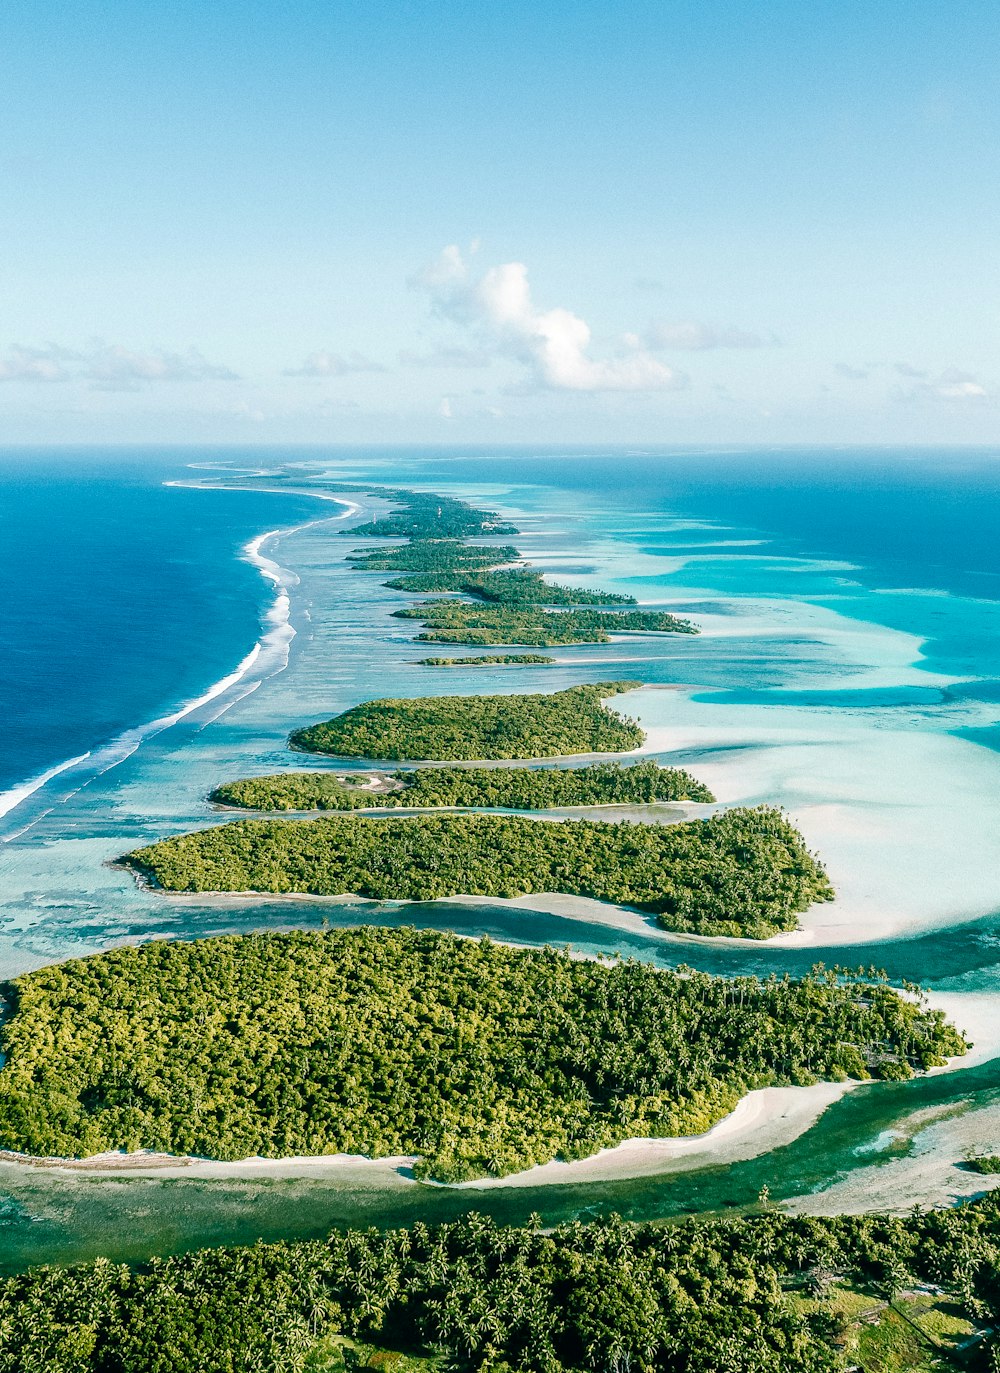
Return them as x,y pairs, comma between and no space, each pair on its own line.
849,661
126,597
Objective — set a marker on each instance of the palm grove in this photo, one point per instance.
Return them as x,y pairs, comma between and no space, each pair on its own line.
476,1058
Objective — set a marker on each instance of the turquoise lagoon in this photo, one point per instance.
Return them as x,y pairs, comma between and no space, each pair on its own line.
849,670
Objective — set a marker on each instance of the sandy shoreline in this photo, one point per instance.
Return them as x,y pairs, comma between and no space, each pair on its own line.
762,1120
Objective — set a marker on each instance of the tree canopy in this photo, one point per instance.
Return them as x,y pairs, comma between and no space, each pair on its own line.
765,1293
743,873
448,728
600,784
477,1057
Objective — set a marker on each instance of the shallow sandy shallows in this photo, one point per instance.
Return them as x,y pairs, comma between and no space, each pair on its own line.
906,821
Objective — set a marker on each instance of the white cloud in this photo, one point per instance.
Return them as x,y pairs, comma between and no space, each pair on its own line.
694,337
108,367
36,364
950,385
960,388
112,368
444,409
553,344
324,364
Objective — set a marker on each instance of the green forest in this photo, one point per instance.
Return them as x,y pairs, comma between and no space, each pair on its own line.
509,586
425,515
487,660
433,555
518,598
466,622
600,784
458,728
761,1293
742,873
479,1058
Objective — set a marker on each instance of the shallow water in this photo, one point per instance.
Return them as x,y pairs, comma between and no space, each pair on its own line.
813,686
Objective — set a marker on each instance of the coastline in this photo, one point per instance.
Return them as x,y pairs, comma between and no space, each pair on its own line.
762,1120
269,655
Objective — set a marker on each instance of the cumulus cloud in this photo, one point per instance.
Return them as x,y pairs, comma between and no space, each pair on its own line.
324,364
694,337
112,368
950,385
958,386
108,367
36,364
553,344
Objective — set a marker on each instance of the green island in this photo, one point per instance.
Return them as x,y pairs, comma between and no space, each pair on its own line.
476,1057
510,586
600,784
742,873
470,728
758,1293
487,660
425,515
518,599
466,622
433,555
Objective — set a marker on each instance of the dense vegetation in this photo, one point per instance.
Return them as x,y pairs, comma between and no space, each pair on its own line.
458,728
487,660
467,622
478,1057
518,599
433,555
985,1163
600,784
509,586
743,873
425,515
765,1293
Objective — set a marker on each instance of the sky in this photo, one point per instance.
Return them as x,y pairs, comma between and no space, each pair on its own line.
656,221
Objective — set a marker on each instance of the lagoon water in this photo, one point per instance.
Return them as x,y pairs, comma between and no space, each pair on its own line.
849,670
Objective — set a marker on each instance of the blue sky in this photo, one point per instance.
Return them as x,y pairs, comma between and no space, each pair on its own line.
690,222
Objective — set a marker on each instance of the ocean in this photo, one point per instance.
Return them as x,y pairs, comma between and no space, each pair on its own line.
162,638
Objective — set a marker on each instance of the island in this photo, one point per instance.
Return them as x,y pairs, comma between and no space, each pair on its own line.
508,586
519,603
744,873
432,555
760,1293
478,1058
426,515
600,784
467,622
488,660
472,728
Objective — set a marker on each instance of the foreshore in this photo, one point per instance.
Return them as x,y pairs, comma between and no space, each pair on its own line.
762,1121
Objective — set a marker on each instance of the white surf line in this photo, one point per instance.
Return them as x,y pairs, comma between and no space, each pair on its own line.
14,797
274,647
